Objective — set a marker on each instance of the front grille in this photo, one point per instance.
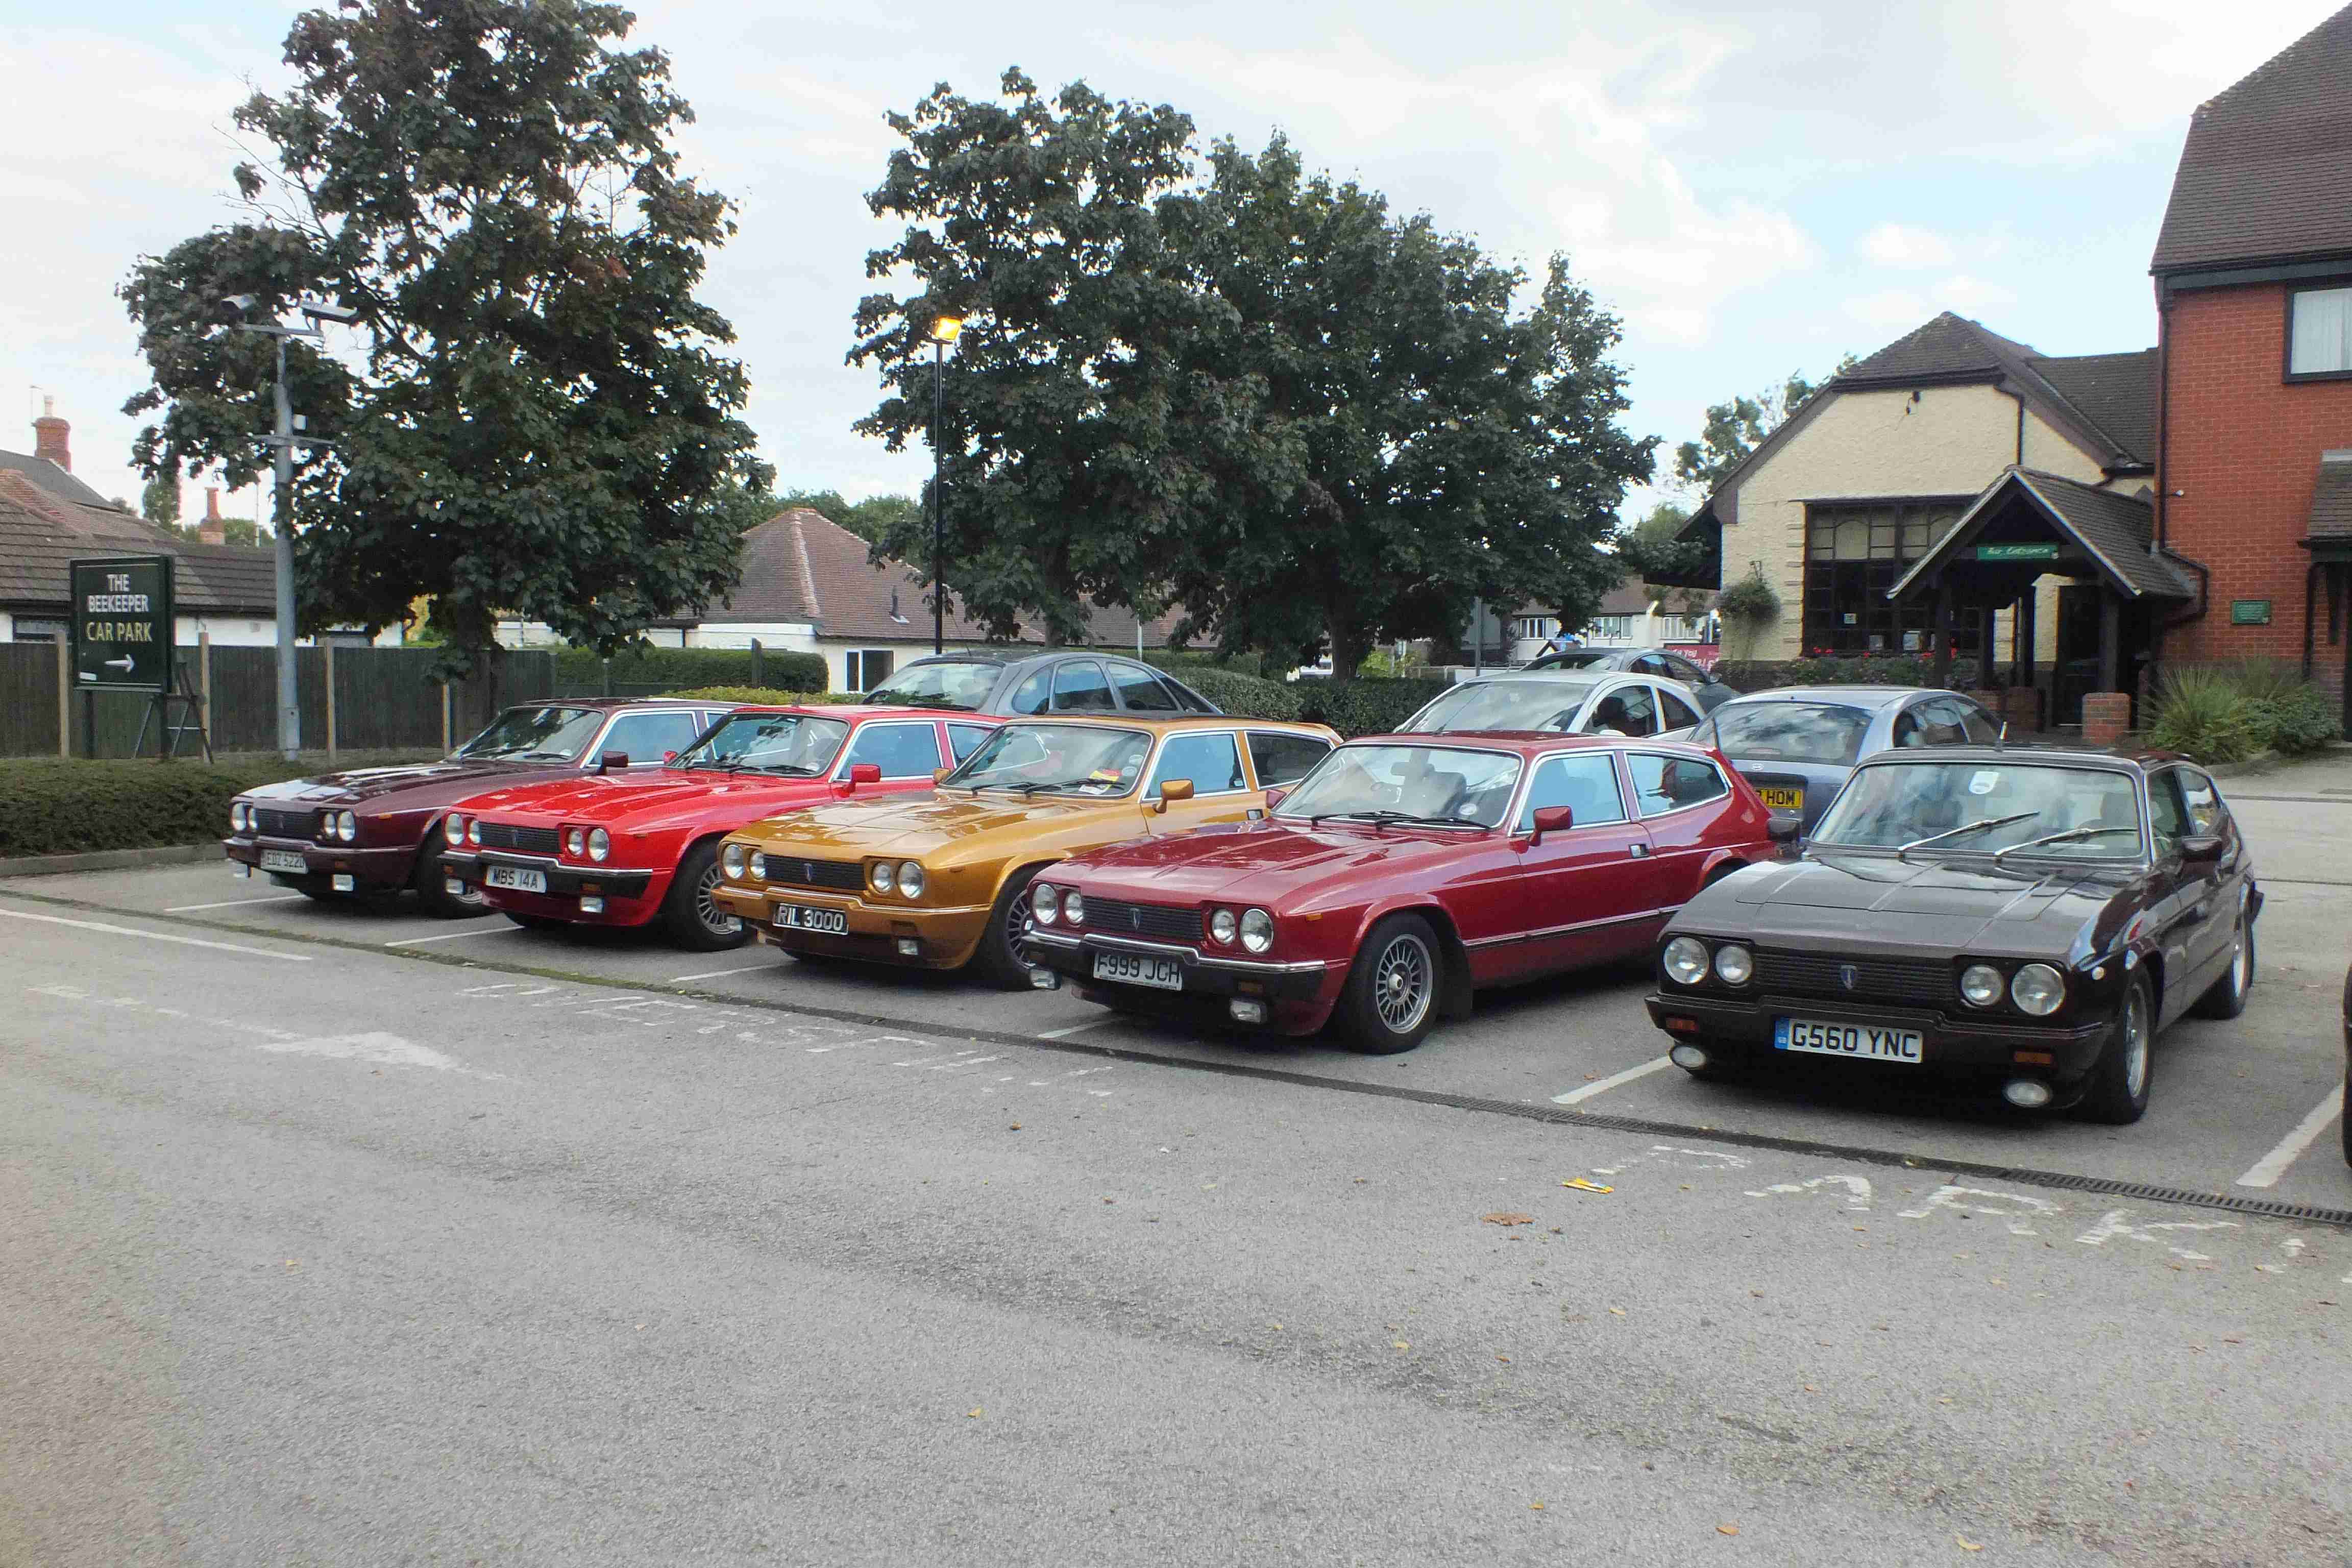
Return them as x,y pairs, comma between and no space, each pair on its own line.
512,836
285,824
841,876
1921,983
1117,917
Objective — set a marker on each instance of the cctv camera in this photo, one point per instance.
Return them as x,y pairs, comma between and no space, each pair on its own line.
321,310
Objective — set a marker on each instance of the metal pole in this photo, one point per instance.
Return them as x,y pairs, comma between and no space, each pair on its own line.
65,697
290,710
938,499
204,681
330,701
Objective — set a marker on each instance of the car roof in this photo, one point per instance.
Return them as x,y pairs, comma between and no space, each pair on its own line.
853,711
1157,721
1527,742
1849,696
613,704
1010,656
2070,757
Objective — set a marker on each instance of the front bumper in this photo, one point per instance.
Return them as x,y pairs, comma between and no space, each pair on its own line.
628,896
1739,1030
1299,993
940,938
374,868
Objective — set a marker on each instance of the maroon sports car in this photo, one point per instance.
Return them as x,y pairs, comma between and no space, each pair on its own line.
1403,874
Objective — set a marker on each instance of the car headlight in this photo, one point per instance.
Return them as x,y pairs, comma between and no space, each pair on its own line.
1258,929
453,829
236,817
473,830
1734,965
347,826
1981,985
759,866
910,879
1688,960
1073,906
882,876
731,859
1046,904
575,841
1221,926
2038,989
600,844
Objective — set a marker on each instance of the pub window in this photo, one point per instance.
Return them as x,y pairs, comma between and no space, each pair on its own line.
1854,554
2319,331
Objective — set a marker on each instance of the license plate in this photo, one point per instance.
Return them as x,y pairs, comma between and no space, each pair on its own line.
1784,799
284,860
800,917
1129,969
1864,1042
521,878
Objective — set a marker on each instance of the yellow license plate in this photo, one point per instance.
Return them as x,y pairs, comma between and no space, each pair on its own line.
1784,799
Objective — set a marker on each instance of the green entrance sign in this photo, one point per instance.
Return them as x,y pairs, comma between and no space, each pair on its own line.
2250,612
122,623
2017,552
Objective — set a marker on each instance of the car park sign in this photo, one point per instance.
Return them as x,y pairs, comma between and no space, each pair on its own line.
122,623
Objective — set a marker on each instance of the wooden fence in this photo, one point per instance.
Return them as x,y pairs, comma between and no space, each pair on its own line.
385,699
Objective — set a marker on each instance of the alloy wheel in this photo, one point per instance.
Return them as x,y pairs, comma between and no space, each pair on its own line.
715,921
2135,1045
1402,984
1016,928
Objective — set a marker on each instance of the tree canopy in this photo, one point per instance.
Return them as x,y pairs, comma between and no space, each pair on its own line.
536,418
871,520
1246,390
1736,427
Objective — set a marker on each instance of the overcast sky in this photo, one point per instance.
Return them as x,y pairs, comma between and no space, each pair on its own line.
1753,190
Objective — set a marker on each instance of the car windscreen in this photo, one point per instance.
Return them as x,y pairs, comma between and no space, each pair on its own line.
534,735
795,745
1084,760
1431,785
963,685
1823,732
2091,814
1533,704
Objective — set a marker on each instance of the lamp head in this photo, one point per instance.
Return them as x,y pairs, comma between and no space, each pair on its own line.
237,301
947,329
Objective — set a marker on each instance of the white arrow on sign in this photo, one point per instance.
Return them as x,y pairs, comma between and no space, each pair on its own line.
123,663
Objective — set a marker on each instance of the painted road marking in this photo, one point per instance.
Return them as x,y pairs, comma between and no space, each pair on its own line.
232,904
1078,1028
1577,1095
2267,1170
453,936
715,974
156,936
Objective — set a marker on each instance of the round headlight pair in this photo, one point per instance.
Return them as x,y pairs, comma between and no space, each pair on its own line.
2036,988
906,876
1258,929
731,859
240,819
340,825
1046,904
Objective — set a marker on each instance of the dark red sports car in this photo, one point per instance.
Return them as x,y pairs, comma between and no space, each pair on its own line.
1403,874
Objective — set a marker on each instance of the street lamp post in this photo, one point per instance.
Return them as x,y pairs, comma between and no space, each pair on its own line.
944,330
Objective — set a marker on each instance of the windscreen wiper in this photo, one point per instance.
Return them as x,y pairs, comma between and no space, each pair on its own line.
1383,816
1980,826
2070,836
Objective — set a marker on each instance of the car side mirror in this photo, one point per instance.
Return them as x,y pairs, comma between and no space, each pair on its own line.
1172,789
2202,850
1552,819
865,772
940,776
1785,829
611,760
1274,798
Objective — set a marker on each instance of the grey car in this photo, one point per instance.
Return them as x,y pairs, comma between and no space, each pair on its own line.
1706,687
1013,680
1797,746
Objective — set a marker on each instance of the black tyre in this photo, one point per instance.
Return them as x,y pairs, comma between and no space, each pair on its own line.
432,887
533,922
2227,998
691,912
1002,958
2120,1082
1393,987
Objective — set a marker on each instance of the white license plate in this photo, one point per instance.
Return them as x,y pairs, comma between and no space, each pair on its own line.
1862,1042
1128,969
521,878
800,917
284,860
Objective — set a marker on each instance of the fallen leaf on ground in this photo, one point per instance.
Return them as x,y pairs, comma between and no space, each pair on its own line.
1506,1216
1582,1186
1618,1310
1403,1344
972,1415
1014,1128
1503,1359
1537,1506
1966,1544
1727,1530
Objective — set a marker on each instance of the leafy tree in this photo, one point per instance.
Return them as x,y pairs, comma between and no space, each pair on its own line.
536,421
159,501
871,518
1736,428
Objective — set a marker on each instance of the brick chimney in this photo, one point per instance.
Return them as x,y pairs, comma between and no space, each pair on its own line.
50,433
212,530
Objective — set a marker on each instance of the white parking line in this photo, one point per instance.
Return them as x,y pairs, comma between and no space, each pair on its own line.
1078,1028
715,974
453,936
1576,1096
232,904
157,936
2272,1165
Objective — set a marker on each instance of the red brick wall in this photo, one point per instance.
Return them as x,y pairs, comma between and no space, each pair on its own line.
2245,445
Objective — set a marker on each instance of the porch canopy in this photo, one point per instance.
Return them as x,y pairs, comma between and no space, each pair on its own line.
2027,524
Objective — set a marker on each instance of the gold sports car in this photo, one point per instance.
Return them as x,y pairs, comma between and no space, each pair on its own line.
944,882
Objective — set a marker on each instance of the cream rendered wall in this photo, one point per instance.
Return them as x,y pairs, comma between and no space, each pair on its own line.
1938,440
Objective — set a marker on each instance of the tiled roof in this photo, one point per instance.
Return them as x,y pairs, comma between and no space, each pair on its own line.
2331,499
2265,173
40,534
2110,399
1949,345
57,481
2115,530
2116,391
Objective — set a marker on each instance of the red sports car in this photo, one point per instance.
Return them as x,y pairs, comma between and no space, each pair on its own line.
626,848
1400,875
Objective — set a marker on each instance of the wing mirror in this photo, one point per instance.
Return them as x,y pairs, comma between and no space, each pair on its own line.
940,776
2202,850
1552,819
865,772
1172,789
611,760
1274,798
1785,829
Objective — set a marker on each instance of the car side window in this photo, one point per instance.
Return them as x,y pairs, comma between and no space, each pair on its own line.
1669,784
648,737
2167,811
1030,696
1282,760
966,737
1941,723
1686,672
1585,783
1628,711
900,751
1079,687
1907,729
1140,690
1983,729
1650,664
1190,700
1210,759
1674,713
2207,814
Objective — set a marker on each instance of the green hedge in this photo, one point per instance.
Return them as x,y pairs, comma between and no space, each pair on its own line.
1242,696
2225,713
58,806
1864,669
695,666
1366,707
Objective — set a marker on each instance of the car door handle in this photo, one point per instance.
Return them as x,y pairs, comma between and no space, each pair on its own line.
1639,852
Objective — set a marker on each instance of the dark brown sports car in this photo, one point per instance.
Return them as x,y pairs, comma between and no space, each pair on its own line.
371,832
2019,919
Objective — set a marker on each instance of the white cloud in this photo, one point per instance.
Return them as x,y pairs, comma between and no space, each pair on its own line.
1899,245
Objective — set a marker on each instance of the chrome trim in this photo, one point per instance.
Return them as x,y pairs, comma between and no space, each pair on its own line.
1563,930
1187,955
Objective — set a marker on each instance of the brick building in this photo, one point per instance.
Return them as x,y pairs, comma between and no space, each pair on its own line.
2253,287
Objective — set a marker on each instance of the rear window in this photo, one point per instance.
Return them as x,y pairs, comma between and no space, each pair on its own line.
948,684
1825,732
1533,703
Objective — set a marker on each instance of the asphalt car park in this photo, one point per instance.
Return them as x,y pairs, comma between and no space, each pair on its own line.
2243,1109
